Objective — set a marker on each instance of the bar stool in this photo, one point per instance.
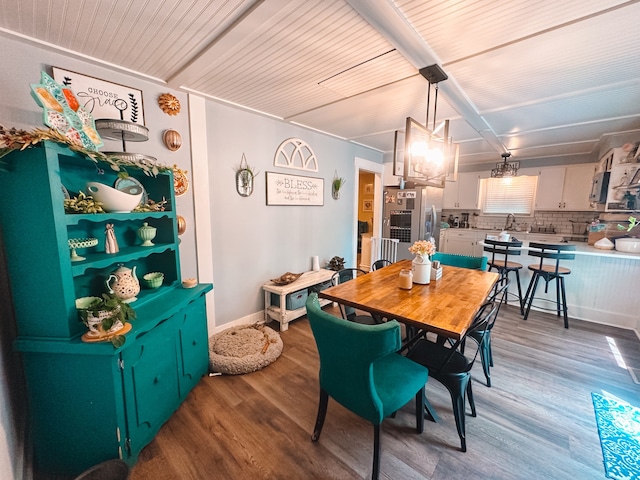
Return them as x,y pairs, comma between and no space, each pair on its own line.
549,272
503,265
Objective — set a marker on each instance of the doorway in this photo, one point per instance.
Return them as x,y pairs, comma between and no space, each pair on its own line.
367,209
366,198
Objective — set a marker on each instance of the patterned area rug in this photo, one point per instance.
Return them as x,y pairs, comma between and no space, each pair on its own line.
619,429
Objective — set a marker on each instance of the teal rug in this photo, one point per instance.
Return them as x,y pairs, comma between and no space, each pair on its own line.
619,429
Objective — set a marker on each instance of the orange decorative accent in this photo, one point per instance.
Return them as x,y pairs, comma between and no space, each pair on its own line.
169,104
180,181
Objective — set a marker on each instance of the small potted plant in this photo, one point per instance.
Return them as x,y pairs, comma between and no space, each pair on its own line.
336,264
336,185
105,316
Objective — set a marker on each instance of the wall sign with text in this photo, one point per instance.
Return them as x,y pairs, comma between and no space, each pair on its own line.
283,189
103,99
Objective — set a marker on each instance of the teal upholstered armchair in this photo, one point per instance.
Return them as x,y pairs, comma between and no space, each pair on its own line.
361,369
463,261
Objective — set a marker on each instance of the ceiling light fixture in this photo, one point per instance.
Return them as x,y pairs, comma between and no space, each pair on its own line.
429,153
505,169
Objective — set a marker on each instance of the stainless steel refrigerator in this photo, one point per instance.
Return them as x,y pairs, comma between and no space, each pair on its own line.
412,214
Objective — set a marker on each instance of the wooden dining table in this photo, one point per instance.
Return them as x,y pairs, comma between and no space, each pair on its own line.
446,306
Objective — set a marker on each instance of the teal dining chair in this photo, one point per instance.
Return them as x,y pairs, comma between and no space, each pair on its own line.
463,261
361,370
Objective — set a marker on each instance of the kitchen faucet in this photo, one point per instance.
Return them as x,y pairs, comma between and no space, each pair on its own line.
507,225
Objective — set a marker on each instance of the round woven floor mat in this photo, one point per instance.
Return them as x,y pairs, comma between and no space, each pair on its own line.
244,349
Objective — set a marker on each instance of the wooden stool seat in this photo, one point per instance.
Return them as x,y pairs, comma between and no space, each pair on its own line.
549,272
498,264
550,269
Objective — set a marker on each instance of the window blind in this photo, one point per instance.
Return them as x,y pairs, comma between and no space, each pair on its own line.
509,195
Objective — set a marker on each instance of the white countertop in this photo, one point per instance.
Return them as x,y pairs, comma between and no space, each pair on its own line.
583,249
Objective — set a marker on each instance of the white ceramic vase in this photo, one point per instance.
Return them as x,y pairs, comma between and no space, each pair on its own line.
421,266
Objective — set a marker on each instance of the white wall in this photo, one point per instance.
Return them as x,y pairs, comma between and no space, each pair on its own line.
253,242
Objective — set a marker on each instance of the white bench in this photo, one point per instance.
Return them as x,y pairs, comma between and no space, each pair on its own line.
280,312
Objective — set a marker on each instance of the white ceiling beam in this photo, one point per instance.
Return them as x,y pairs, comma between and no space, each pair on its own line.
392,25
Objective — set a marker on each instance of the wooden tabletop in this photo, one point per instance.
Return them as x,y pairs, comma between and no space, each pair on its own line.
446,306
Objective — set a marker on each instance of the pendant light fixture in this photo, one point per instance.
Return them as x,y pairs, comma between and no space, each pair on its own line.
505,169
429,152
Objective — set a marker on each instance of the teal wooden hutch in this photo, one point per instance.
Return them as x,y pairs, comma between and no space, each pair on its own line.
89,402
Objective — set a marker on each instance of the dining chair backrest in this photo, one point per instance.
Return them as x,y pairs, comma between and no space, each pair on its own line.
486,316
497,297
347,351
380,264
342,276
552,251
463,261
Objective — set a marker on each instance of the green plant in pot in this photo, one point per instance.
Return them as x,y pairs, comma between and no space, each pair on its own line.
103,314
336,184
336,264
633,223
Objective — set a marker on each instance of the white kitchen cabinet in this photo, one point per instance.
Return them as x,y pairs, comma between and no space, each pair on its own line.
577,187
549,191
565,188
462,242
464,192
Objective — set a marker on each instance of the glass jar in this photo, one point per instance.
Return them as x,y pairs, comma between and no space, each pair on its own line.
405,280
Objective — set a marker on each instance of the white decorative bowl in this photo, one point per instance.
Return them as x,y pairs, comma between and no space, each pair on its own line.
113,200
628,245
83,303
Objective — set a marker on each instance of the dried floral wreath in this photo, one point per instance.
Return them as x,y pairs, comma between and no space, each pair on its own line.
16,139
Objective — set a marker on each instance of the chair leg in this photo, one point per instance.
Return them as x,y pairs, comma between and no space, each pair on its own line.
457,391
485,357
520,293
533,284
558,296
419,411
564,302
472,403
376,452
322,413
429,412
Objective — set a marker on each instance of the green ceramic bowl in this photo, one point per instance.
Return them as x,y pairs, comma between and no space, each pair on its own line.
153,279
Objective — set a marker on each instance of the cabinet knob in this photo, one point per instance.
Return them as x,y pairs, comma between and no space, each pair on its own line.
195,343
156,380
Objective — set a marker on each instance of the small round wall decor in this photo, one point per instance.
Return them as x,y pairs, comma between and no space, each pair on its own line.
172,139
169,104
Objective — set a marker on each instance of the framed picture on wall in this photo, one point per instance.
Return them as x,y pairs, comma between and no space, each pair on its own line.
367,205
368,189
103,99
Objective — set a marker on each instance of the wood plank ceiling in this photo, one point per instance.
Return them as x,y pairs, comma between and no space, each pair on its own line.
540,79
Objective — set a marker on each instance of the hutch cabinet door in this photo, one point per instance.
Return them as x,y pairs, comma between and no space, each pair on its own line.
150,382
193,349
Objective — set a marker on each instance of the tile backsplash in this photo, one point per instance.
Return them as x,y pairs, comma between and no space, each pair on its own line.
562,222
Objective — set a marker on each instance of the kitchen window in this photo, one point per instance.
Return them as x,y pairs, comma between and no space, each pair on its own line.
509,195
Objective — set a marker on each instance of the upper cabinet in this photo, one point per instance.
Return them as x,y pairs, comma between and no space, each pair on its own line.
564,188
463,193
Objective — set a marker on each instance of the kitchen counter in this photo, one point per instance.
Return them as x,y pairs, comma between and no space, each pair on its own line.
601,288
581,247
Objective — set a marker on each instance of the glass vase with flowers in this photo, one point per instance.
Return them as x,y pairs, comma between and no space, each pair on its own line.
421,264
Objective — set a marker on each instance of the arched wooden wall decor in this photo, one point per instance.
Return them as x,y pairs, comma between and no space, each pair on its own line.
296,153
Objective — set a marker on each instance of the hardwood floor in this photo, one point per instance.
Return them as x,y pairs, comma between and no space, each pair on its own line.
535,422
